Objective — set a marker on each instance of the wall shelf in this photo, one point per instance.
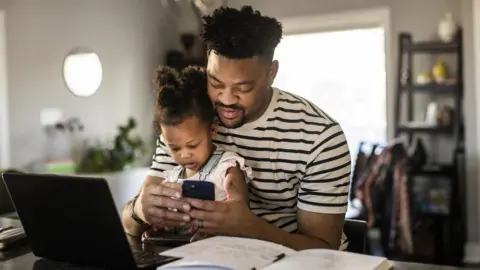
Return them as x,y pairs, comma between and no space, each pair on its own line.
432,47
434,88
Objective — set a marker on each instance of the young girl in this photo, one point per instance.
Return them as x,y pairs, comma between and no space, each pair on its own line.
185,116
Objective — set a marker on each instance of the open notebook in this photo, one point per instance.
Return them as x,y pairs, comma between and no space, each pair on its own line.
229,253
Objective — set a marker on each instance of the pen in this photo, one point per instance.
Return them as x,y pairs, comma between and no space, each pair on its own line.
279,257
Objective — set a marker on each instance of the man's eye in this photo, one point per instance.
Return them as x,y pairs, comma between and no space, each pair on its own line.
245,90
216,86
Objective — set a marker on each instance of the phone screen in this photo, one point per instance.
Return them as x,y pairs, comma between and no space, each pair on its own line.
202,190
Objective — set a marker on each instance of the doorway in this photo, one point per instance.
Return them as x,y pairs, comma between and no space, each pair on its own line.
4,125
342,69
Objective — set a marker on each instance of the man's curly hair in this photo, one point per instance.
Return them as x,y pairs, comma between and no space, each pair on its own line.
181,94
240,34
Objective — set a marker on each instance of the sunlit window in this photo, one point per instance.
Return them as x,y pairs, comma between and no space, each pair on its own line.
342,72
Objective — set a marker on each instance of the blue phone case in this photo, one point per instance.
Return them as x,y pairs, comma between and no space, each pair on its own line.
202,190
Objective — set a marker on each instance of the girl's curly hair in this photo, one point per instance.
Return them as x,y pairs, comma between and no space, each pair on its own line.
182,94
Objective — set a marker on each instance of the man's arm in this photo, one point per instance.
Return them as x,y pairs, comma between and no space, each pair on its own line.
322,199
131,226
161,162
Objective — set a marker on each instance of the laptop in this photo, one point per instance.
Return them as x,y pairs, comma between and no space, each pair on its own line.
73,219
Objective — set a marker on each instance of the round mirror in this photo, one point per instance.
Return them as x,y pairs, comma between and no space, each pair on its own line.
82,72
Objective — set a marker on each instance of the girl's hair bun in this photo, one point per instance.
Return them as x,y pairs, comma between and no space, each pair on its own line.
166,76
168,96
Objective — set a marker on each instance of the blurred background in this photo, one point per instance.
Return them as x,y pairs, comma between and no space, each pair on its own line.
401,77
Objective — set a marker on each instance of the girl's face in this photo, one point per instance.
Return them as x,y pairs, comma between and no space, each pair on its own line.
190,142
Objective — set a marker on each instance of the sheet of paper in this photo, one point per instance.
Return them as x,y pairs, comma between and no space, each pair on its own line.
228,252
323,259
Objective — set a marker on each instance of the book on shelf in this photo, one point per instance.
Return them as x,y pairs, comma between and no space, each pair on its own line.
229,253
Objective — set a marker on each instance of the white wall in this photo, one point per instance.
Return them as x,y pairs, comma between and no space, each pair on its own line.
130,37
4,125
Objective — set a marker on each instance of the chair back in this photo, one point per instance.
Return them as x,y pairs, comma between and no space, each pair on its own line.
356,232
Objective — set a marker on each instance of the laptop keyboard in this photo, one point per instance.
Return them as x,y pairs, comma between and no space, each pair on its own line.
151,258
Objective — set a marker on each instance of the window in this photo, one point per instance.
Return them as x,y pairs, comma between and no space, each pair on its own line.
343,73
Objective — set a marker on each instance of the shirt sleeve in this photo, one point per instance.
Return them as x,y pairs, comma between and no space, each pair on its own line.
326,182
162,162
228,160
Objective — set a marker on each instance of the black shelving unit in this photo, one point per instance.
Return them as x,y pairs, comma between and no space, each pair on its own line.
449,228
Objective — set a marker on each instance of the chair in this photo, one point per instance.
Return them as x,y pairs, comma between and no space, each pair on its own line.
356,232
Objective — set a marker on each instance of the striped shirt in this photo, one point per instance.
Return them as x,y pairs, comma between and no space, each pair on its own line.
299,156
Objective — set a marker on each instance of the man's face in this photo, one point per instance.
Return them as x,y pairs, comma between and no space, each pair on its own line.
238,88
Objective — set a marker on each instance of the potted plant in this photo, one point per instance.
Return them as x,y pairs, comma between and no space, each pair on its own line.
125,150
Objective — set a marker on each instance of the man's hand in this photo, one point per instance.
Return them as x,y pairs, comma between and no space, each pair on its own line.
156,203
230,217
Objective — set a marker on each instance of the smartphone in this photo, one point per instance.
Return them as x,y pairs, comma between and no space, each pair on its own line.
195,189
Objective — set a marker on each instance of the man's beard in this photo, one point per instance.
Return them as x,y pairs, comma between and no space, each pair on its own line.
241,120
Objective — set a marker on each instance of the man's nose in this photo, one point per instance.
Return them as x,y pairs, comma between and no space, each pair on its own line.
228,98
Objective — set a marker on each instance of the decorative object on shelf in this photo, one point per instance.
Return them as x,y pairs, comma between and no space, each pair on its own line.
207,6
66,131
431,115
447,28
194,51
439,115
124,152
444,115
202,6
405,77
63,145
188,42
439,71
424,78
73,126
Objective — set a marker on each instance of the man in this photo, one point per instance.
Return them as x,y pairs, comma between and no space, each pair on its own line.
299,155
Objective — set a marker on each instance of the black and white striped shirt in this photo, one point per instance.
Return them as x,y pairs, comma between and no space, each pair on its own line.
299,156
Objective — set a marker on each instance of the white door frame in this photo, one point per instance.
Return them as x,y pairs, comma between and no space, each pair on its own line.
373,17
4,124
472,249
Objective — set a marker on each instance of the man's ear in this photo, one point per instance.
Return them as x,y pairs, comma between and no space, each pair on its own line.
272,73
